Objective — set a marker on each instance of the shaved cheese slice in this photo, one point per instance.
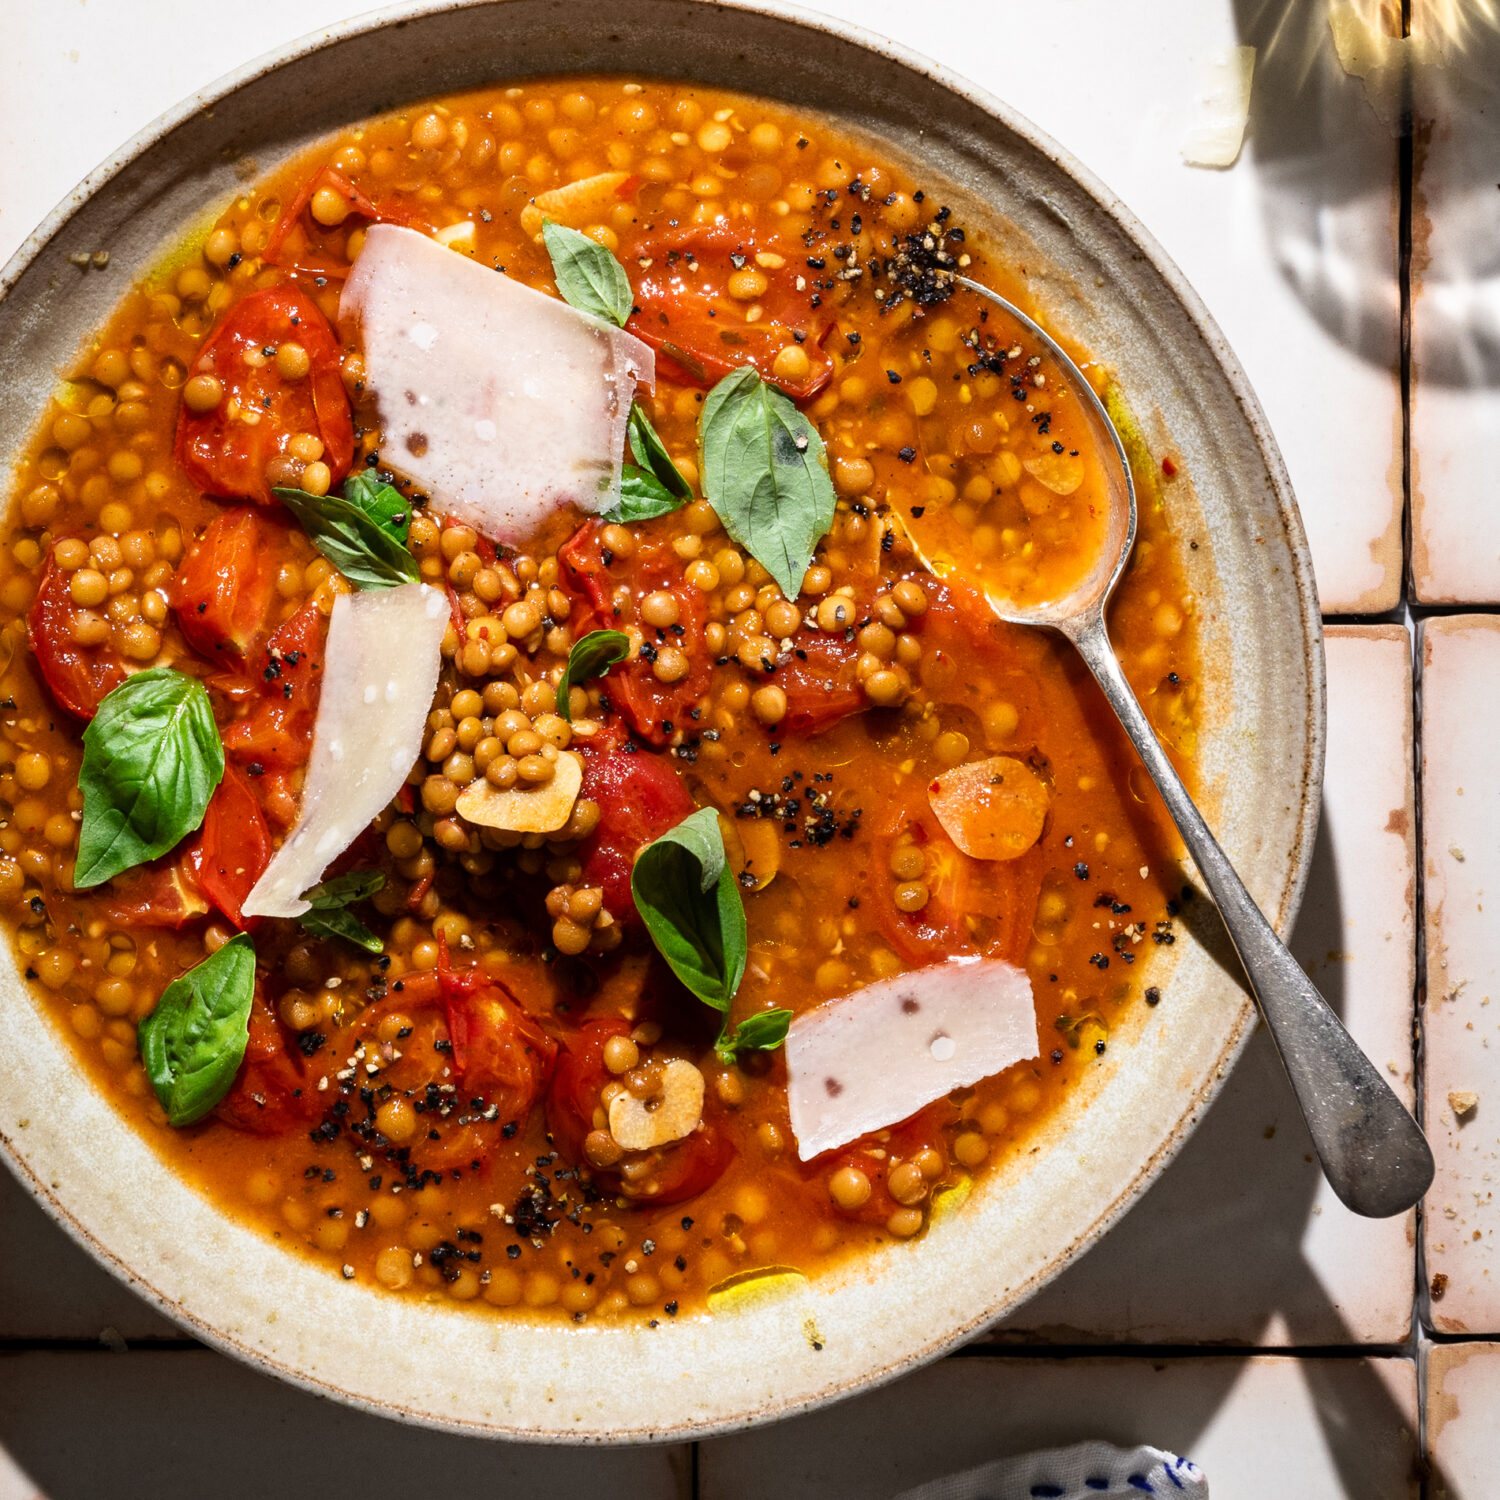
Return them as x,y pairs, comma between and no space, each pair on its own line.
1223,110
380,670
529,809
992,809
499,402
877,1056
671,1114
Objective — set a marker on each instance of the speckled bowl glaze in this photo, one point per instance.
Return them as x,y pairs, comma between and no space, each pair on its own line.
1098,278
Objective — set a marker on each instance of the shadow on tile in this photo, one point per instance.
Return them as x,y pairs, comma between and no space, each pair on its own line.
178,1425
52,1289
1240,1241
1322,154
1260,1426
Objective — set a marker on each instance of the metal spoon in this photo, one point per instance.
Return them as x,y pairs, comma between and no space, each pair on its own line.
1372,1151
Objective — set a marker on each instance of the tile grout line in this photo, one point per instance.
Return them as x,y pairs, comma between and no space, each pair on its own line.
1406,186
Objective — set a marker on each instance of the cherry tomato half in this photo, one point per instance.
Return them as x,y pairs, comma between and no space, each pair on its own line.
685,312
78,676
164,893
680,1171
272,1093
225,450
640,797
302,244
276,734
233,849
973,905
653,709
222,590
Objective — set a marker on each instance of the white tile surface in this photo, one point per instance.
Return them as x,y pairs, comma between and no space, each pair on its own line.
1313,1429
183,1425
1463,1416
1461,854
1241,1240
1455,404
1293,249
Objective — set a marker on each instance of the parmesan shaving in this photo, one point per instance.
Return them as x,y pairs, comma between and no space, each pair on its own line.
877,1056
1224,110
532,809
380,670
500,403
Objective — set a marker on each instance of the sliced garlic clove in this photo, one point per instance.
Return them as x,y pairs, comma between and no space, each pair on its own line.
1059,472
533,809
575,204
669,1115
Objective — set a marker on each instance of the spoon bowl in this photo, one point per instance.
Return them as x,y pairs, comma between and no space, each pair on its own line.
1371,1149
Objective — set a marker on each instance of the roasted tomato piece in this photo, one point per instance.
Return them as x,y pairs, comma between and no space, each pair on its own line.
820,682
465,1023
972,906
312,238
225,447
685,312
78,676
874,1159
234,848
666,1174
164,893
221,593
276,733
653,708
273,1093
640,797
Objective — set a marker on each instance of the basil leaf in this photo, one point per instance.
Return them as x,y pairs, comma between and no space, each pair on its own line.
592,656
383,503
651,454
643,497
193,1042
342,890
765,473
151,761
587,275
354,541
689,900
763,1032
329,917
338,923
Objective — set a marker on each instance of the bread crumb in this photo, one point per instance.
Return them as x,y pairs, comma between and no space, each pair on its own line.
1462,1101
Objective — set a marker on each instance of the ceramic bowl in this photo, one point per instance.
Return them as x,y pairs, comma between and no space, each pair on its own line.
1097,277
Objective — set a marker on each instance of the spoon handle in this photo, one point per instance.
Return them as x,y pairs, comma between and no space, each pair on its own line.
1373,1153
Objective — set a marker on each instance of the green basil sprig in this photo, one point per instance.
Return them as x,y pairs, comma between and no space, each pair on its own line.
765,1031
151,761
690,902
330,917
587,275
192,1044
651,454
653,485
643,497
765,472
592,656
358,531
382,502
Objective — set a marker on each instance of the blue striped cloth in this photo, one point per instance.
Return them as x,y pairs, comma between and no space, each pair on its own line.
1086,1471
